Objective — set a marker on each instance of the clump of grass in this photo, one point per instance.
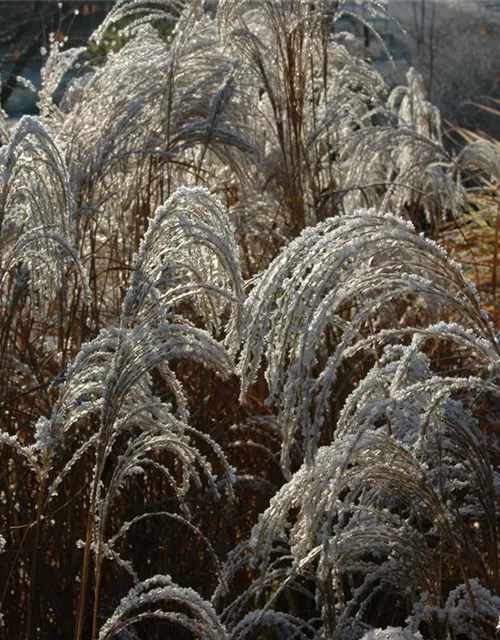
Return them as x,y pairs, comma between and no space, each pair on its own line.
242,394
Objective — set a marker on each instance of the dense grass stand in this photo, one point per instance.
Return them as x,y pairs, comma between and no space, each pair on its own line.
245,392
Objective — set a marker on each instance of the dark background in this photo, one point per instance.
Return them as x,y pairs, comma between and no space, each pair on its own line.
25,28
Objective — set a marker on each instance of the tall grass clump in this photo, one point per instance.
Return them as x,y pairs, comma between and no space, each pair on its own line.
244,394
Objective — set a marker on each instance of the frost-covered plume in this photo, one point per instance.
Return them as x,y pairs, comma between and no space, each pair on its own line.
109,385
38,261
408,471
137,12
331,139
34,190
402,165
197,617
343,280
483,156
151,112
189,255
367,518
109,380
157,114
56,65
36,209
43,291
305,91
